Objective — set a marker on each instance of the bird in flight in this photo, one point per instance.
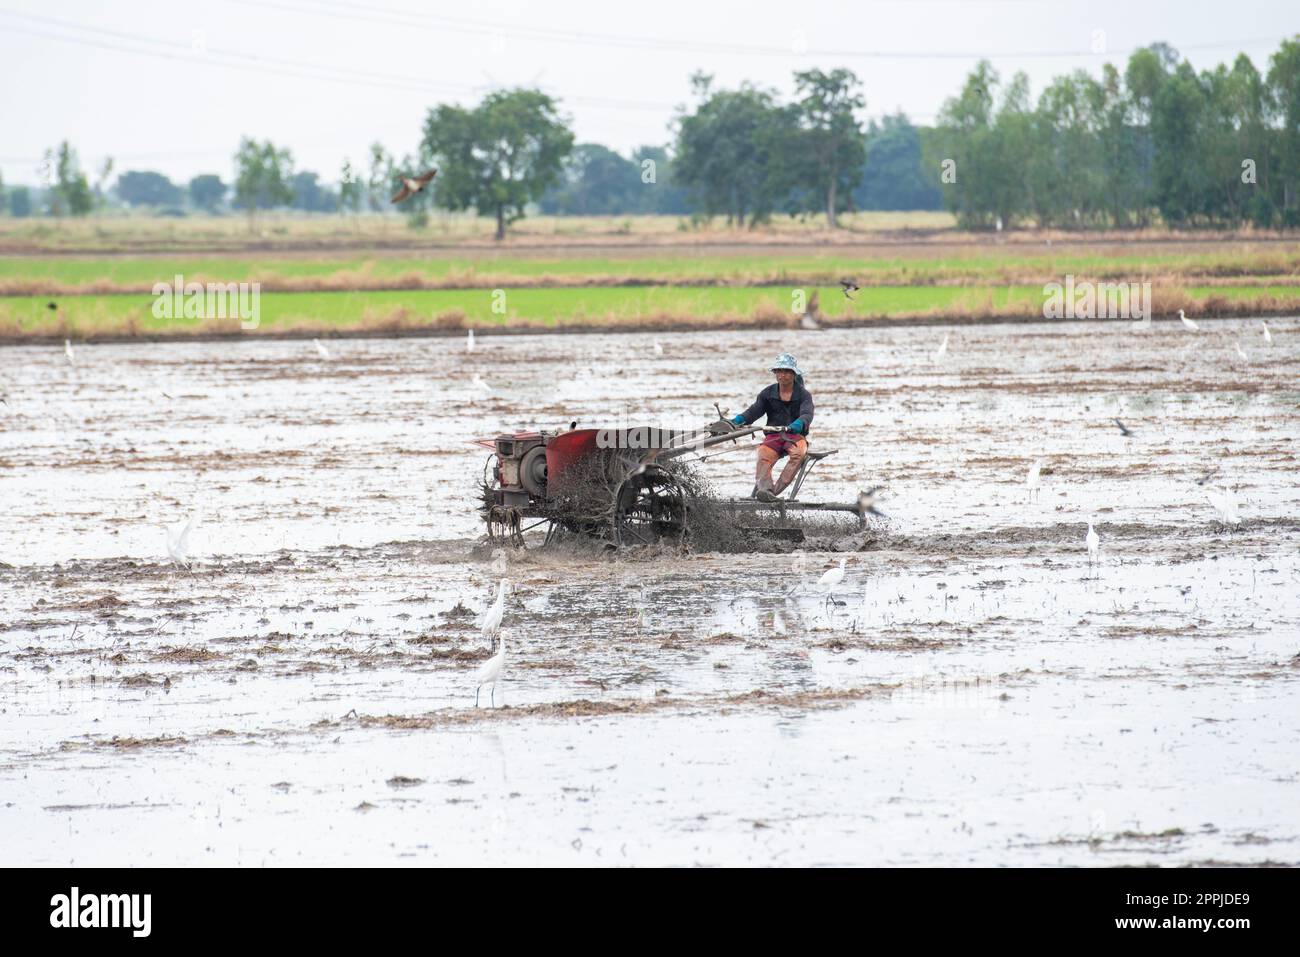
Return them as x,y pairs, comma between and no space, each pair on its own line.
1123,430
412,186
849,286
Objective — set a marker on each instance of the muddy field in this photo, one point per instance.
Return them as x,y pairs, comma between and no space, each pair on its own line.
972,693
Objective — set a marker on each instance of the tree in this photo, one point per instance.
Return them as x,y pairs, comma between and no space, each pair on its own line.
596,181
1284,91
262,175
499,156
147,188
310,195
657,195
207,192
893,175
20,201
105,171
737,152
62,176
380,179
349,189
832,138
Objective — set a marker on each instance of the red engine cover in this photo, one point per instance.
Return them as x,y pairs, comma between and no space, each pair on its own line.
567,449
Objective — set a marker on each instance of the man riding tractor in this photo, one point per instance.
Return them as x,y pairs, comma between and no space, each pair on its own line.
788,407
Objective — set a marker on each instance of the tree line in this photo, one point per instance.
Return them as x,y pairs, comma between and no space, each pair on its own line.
1155,142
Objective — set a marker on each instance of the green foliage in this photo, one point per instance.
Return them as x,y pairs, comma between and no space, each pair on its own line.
65,183
895,175
349,189
1218,148
147,188
380,178
20,202
499,156
207,192
263,176
831,142
737,154
310,195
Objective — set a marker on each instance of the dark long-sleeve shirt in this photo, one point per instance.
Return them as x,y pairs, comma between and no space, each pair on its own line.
769,403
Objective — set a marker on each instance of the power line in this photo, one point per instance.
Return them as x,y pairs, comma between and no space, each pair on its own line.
107,39
368,13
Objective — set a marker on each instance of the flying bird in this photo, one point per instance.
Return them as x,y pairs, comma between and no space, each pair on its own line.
849,286
1187,322
1123,430
412,186
867,501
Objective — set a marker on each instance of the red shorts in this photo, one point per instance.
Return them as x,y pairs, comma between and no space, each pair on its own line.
783,442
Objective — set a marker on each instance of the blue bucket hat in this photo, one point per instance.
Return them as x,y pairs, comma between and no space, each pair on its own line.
786,361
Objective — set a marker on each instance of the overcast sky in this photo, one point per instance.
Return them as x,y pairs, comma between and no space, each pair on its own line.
172,86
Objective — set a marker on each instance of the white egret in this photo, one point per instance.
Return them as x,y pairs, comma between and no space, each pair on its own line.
942,350
67,351
1187,323
320,349
832,577
492,619
659,349
489,673
469,341
1094,545
1268,336
1034,481
1241,352
481,388
178,544
1225,503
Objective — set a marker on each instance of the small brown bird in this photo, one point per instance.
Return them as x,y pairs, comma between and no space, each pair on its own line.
412,186
849,285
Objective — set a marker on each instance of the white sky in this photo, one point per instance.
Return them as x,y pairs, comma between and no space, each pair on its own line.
145,82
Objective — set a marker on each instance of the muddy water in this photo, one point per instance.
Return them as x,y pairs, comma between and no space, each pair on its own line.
973,692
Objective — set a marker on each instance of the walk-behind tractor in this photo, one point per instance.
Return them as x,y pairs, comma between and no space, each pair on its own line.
631,486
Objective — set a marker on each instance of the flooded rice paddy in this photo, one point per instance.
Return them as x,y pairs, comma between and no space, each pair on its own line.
973,692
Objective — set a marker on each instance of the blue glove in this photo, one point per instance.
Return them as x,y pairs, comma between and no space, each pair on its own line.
796,426
737,420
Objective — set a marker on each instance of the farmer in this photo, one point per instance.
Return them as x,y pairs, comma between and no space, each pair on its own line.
786,403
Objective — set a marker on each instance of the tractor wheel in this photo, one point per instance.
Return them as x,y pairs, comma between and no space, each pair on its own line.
649,506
